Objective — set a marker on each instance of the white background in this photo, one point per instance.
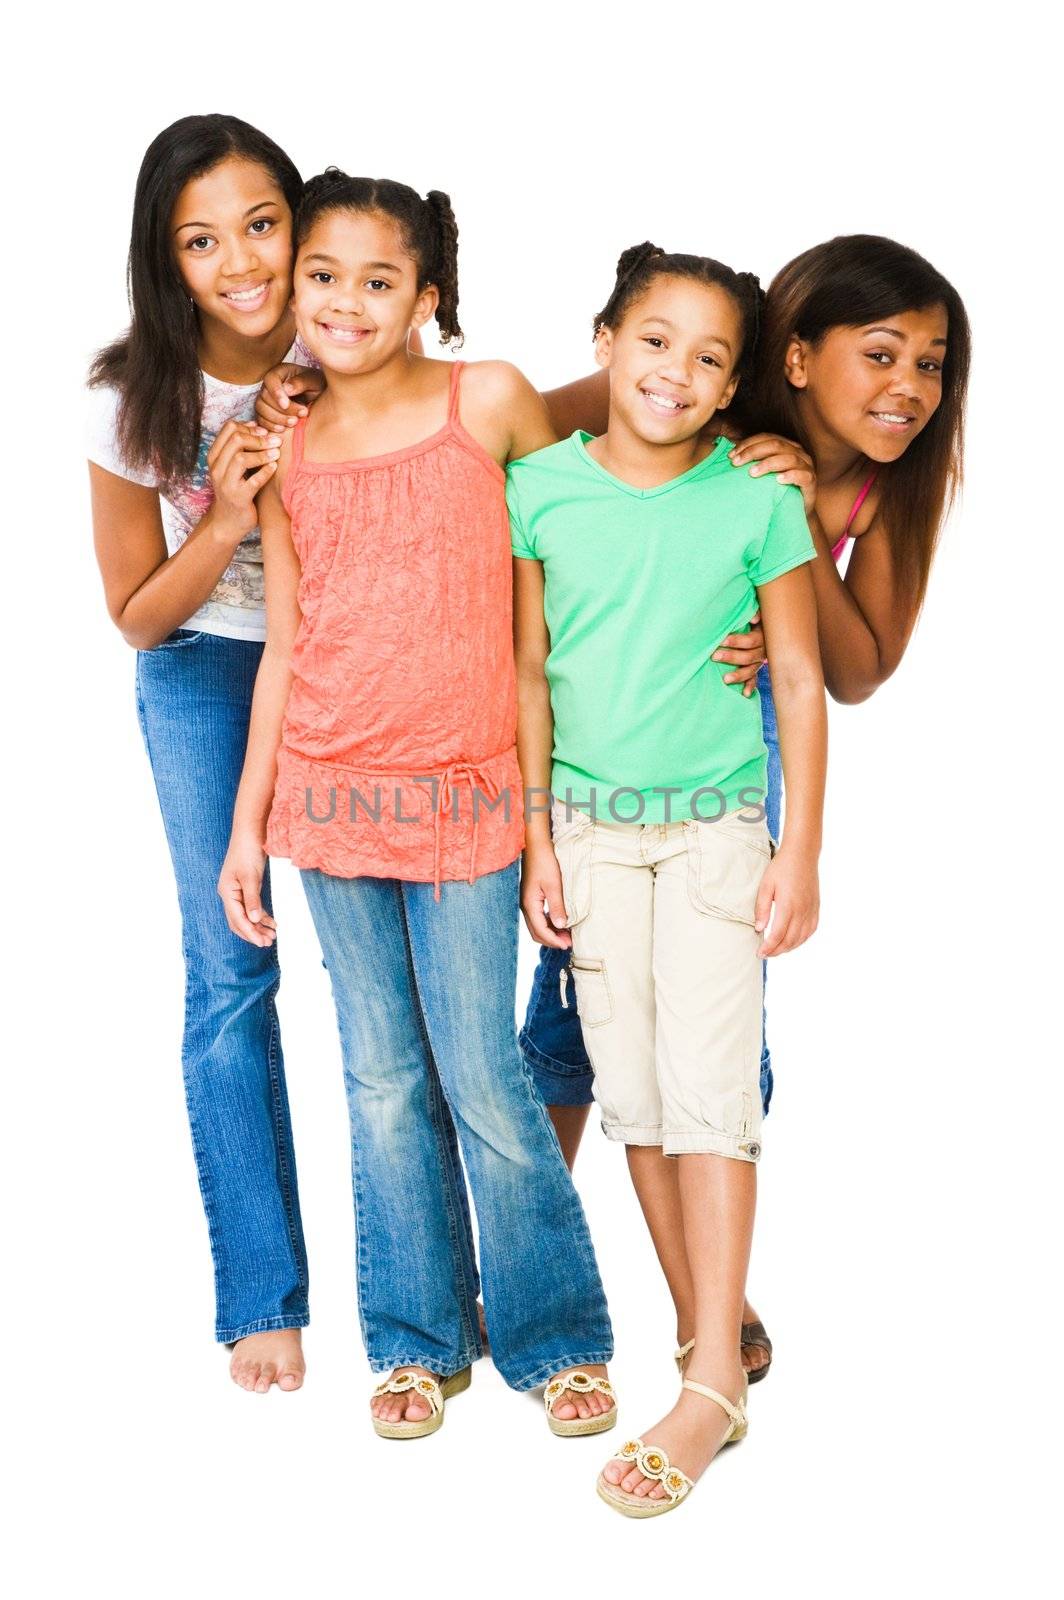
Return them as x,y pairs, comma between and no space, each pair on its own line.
905,1249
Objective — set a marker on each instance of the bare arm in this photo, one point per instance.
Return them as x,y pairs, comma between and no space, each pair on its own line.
540,877
503,412
149,593
865,620
240,882
583,404
789,618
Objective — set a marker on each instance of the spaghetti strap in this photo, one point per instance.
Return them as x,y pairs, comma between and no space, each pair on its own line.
862,496
452,404
298,433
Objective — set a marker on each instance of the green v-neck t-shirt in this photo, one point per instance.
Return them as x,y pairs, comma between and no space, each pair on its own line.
641,586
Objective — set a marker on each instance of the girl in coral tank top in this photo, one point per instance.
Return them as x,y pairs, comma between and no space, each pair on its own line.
382,761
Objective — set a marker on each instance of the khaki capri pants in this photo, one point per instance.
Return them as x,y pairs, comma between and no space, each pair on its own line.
668,979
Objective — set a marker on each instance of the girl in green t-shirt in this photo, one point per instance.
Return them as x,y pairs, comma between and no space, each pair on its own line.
668,913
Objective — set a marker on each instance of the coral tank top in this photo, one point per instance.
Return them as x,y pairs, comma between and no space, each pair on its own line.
398,754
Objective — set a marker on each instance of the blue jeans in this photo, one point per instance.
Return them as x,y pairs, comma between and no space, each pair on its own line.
193,704
424,996
551,1039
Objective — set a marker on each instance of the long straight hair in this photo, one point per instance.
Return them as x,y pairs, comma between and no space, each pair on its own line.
852,281
155,364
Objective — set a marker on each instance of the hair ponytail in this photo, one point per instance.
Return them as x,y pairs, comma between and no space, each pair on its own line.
446,273
753,303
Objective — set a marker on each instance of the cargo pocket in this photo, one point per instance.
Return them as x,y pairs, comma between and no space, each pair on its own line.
594,1000
726,861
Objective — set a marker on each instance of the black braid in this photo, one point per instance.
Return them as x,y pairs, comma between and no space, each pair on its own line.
446,275
753,313
632,277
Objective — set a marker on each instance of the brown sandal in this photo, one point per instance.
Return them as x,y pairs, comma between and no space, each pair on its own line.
755,1337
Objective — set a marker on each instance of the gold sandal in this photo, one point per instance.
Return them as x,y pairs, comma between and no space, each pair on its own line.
579,1383
428,1389
652,1462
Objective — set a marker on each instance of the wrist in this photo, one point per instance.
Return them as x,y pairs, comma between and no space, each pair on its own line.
227,525
538,834
800,846
249,832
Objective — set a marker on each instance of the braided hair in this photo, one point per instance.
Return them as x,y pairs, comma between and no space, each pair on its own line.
427,228
640,264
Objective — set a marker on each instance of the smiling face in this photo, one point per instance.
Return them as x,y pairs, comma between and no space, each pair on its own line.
873,388
232,236
356,291
671,361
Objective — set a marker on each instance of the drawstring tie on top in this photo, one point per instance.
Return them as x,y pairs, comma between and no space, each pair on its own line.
475,776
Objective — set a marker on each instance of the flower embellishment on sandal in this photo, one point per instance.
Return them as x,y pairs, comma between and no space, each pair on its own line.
579,1383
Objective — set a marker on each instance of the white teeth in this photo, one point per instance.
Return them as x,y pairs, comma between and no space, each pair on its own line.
662,401
891,416
247,294
348,334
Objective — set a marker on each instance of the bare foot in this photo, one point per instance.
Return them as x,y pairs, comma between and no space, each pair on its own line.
588,1403
690,1436
755,1356
406,1407
263,1359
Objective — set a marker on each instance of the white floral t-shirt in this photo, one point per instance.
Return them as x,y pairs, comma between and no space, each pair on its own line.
236,607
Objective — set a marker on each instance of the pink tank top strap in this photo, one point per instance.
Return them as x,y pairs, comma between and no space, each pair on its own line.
296,461
452,405
862,496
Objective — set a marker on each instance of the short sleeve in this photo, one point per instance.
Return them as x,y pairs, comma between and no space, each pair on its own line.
101,436
788,542
520,544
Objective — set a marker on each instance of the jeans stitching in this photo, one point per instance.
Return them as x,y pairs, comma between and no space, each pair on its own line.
281,1125
261,1325
541,1374
198,1147
436,1088
580,1233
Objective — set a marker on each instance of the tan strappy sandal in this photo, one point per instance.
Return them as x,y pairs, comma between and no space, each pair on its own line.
752,1336
680,1355
652,1462
427,1388
579,1383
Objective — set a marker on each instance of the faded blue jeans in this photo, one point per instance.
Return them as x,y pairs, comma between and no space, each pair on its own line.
194,703
551,1040
424,994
